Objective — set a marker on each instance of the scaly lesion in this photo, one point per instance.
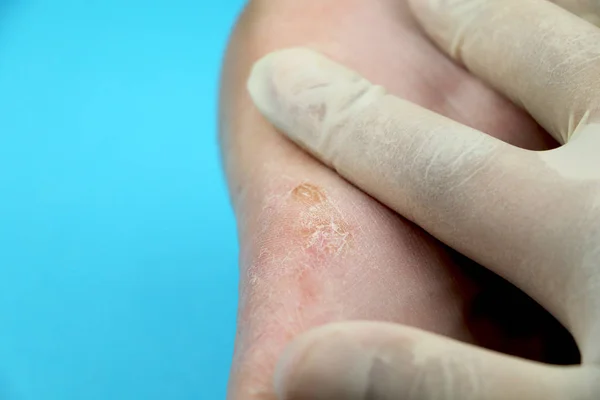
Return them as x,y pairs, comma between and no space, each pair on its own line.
321,224
301,228
299,247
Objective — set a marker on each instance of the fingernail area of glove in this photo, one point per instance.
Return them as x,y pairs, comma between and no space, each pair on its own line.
298,89
328,366
285,86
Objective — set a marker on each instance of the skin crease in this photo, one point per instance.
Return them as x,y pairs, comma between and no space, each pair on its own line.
316,250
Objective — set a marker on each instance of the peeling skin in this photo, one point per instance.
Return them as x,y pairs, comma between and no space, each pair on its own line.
309,194
303,241
321,224
314,229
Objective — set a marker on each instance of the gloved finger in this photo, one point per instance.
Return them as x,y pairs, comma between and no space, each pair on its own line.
377,361
472,191
541,56
586,9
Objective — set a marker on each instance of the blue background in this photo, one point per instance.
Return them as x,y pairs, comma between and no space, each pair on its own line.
118,259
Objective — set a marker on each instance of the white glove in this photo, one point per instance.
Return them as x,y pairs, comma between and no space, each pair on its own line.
531,217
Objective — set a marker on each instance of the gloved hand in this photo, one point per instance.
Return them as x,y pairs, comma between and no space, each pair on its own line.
313,248
531,217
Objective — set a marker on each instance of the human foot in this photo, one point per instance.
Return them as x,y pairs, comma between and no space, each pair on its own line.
316,250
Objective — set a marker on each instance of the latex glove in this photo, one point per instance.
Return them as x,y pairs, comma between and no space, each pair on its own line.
586,9
531,217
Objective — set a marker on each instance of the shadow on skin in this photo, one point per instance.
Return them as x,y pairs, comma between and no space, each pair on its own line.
493,308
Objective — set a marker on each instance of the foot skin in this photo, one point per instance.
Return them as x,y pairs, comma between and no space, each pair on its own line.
316,250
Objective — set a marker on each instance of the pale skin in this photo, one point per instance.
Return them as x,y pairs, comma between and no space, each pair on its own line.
316,250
